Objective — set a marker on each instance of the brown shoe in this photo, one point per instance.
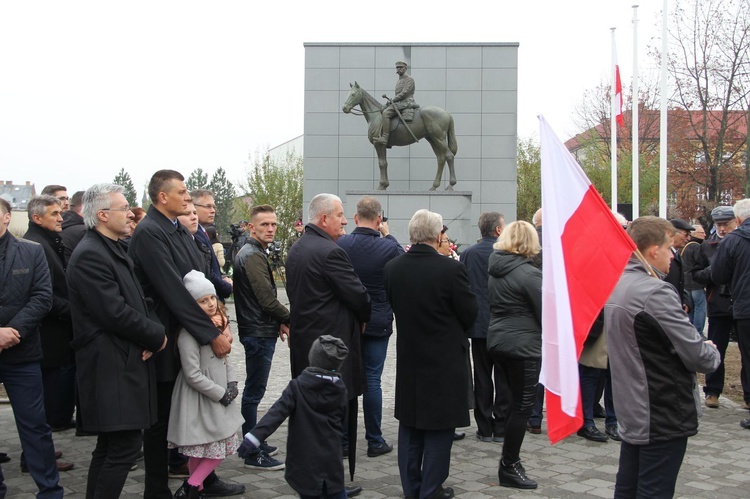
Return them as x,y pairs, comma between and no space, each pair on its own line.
712,401
58,454
64,466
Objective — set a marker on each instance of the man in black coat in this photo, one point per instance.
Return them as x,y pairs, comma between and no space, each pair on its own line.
163,251
117,392
676,275
58,367
205,206
325,295
491,405
369,253
435,307
25,299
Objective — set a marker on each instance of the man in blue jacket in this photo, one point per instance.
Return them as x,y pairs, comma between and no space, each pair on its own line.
369,253
25,299
491,405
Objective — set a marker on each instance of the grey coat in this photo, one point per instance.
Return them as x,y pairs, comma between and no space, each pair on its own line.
196,416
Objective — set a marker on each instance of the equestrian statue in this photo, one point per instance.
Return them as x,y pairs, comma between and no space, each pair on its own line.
401,122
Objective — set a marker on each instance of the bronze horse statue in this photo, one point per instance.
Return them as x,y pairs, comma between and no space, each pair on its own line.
431,123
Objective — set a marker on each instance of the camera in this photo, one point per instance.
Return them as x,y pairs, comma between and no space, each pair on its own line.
274,255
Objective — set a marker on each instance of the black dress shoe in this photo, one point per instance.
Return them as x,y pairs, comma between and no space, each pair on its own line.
613,432
220,489
592,433
64,426
4,457
459,435
379,450
352,491
442,493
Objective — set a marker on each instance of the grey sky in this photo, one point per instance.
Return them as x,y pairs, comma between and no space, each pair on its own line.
89,87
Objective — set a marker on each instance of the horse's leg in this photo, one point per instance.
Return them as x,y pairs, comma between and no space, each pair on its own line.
439,149
383,165
450,157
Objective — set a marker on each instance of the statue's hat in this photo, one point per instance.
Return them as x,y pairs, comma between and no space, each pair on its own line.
401,63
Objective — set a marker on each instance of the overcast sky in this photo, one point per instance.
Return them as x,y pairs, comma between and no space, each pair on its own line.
89,87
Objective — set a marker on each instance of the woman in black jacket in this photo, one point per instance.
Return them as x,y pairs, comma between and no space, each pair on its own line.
514,338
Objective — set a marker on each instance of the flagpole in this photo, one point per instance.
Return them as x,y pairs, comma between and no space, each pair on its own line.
663,142
634,106
613,123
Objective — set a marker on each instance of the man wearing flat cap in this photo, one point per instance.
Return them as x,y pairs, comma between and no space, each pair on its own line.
731,267
676,276
719,300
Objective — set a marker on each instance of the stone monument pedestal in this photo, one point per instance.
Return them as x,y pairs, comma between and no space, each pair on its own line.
399,207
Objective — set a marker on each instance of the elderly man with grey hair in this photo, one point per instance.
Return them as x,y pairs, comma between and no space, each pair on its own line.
58,367
434,307
731,265
326,296
114,341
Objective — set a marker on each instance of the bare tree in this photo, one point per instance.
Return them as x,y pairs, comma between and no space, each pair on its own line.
709,60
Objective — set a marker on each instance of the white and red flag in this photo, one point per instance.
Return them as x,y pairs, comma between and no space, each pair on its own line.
618,87
585,252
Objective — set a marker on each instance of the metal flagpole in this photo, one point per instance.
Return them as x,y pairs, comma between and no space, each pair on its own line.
613,123
634,105
663,118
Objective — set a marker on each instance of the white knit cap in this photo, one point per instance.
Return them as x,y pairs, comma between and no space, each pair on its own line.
197,285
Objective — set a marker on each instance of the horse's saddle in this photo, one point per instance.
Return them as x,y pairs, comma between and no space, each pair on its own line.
408,115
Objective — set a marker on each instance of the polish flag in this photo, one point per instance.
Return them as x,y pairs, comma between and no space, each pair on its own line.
618,87
585,251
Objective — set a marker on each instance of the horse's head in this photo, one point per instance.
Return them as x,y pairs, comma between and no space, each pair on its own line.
354,98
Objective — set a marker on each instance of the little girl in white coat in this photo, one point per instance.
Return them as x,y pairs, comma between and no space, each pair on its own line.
203,421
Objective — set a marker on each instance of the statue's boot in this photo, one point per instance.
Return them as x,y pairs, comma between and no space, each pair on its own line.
383,139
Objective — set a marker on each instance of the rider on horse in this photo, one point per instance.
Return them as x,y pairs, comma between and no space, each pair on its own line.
404,99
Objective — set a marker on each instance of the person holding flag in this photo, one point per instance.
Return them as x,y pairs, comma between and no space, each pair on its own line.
653,351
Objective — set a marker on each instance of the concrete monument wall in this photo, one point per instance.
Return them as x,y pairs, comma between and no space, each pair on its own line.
476,83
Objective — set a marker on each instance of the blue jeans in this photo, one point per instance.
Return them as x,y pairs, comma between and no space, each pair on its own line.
258,356
374,351
589,377
698,306
23,383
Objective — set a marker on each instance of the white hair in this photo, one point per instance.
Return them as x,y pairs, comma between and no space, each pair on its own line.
425,226
322,204
537,218
97,198
742,209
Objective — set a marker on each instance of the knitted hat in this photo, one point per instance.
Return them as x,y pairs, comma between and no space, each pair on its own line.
197,285
327,353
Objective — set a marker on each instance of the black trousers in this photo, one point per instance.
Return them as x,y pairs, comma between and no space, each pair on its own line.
424,459
649,470
718,332
114,454
743,341
491,404
523,377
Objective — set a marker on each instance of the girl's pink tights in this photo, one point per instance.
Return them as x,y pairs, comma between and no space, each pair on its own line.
200,468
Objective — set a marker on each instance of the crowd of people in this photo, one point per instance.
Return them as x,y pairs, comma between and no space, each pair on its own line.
112,322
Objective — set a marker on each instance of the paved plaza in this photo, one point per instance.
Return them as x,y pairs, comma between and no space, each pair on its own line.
717,463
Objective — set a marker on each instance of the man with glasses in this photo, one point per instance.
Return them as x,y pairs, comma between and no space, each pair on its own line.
114,341
60,193
204,203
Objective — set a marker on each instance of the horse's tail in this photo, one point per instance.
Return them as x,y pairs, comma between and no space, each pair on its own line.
452,144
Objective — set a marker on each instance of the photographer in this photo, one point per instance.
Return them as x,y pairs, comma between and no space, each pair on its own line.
239,238
261,318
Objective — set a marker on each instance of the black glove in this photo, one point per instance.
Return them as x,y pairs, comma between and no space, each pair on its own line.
226,399
232,389
246,447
